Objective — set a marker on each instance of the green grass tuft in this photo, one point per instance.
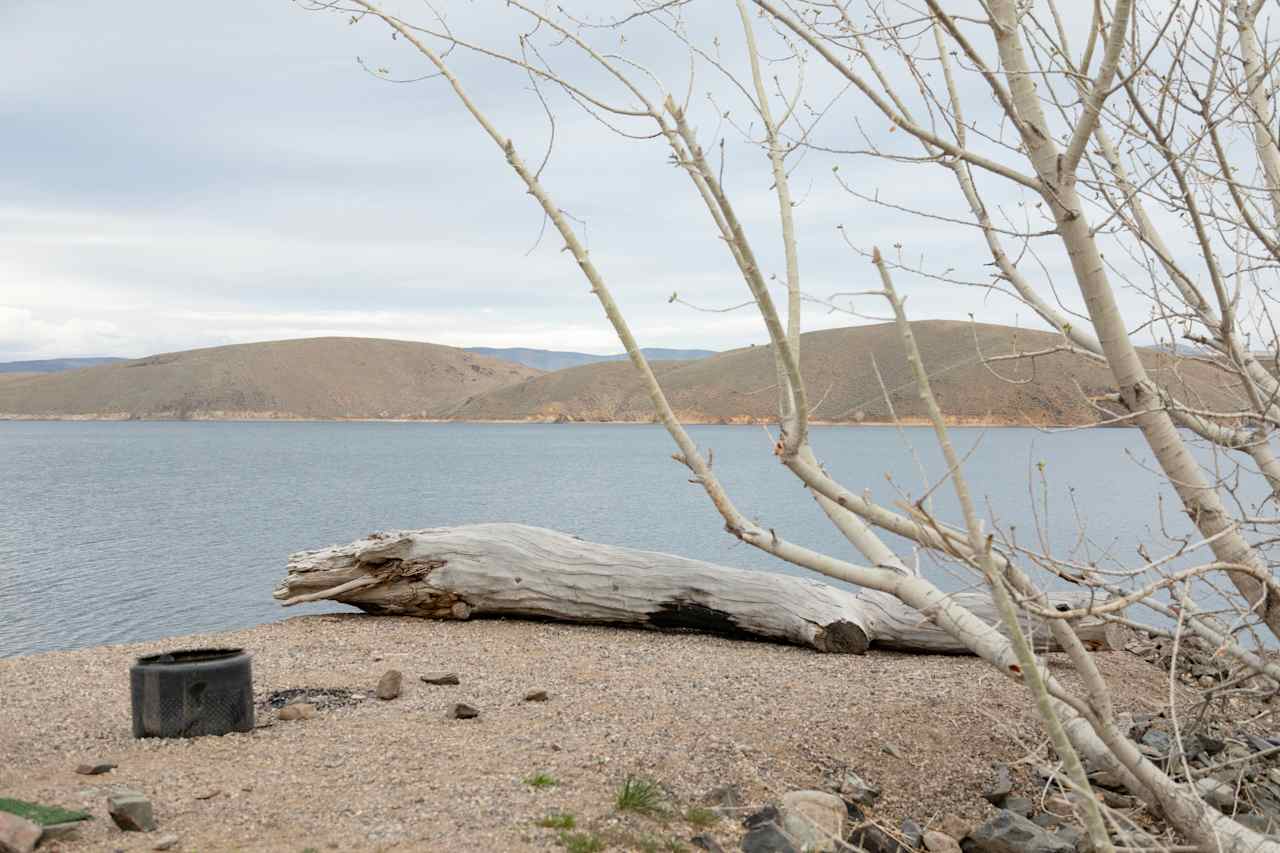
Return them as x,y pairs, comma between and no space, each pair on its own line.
558,821
701,817
642,796
581,842
43,815
542,780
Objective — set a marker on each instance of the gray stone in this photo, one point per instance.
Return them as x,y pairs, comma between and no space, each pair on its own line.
131,811
767,838
1011,833
462,711
440,678
768,814
1045,820
911,833
1158,741
17,834
1020,806
536,696
164,842
813,819
389,684
703,841
940,842
999,790
95,769
853,787
1259,823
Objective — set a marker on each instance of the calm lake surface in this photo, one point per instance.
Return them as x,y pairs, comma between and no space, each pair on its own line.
116,532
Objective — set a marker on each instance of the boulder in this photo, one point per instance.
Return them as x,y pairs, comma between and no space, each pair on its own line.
1011,833
813,819
131,811
17,834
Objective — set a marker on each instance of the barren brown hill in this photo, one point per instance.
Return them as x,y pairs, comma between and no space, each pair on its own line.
311,378
740,385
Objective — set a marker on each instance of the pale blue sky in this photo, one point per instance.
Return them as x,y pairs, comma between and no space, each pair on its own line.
182,175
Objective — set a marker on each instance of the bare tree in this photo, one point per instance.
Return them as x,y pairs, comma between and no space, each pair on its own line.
1139,144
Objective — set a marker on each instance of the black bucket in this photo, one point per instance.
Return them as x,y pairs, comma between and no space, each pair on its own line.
192,692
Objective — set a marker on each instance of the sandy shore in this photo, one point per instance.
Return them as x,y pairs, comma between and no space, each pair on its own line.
688,711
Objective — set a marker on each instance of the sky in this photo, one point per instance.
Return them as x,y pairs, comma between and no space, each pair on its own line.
178,176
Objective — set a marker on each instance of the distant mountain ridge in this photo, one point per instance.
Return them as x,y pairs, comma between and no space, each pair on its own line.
54,365
548,359
311,378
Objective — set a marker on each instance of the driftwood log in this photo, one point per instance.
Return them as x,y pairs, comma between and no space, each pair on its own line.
516,570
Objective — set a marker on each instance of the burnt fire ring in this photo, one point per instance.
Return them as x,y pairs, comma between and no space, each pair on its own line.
192,692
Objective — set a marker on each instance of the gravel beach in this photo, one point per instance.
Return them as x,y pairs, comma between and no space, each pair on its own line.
690,712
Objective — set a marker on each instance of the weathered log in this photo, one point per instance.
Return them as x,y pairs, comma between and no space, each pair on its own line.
517,570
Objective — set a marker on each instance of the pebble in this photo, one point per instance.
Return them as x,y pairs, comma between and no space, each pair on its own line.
940,842
440,678
953,825
296,711
18,834
536,696
164,842
95,769
131,811
389,684
462,711
854,787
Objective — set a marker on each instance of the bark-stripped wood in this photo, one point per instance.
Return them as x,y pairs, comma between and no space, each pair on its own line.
516,570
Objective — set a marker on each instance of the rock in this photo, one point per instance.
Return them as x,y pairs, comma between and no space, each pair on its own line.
1158,741
999,790
1070,835
940,842
1259,823
1207,681
1116,800
911,833
95,769
768,814
889,749
1220,795
873,839
703,841
1046,820
164,842
296,711
17,834
1011,833
440,678
1060,806
953,825
536,696
813,819
853,787
462,711
131,811
389,684
767,838
1020,806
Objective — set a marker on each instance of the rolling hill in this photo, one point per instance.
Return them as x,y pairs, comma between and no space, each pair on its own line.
740,386
310,378
547,359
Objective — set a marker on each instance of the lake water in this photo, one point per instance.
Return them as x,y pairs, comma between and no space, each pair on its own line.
116,532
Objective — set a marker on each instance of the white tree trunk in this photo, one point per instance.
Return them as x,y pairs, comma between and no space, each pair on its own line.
516,570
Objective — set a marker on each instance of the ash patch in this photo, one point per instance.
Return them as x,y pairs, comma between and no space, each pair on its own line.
324,698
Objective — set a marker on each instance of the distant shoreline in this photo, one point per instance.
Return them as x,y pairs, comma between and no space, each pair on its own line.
249,419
